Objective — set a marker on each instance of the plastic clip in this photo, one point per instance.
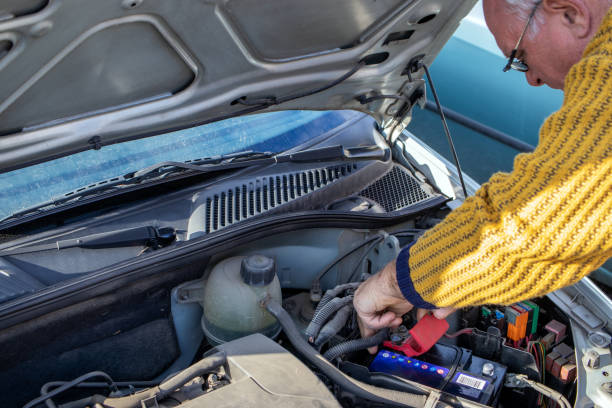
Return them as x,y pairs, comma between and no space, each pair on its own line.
422,337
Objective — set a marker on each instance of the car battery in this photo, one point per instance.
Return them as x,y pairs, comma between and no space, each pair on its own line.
451,369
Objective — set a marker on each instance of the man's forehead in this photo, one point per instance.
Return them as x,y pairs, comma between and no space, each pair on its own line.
502,23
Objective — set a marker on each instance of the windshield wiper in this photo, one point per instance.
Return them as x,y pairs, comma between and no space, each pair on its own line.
214,164
331,153
151,237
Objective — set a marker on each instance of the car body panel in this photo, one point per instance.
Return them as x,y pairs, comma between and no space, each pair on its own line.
131,69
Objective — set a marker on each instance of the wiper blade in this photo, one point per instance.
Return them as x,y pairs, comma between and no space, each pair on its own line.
149,236
209,165
119,182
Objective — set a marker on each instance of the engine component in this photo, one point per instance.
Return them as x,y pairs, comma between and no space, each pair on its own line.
332,327
331,314
557,328
591,359
421,337
453,370
251,371
600,339
520,381
323,314
356,345
265,374
535,315
348,384
232,295
517,319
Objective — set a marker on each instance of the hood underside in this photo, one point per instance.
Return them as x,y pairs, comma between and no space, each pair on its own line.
81,74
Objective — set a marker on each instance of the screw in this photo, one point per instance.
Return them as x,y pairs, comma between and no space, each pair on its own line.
396,338
488,369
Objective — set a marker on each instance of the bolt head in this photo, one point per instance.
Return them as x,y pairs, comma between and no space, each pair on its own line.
600,339
488,369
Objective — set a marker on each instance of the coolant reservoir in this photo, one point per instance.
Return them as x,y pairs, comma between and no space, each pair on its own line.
232,296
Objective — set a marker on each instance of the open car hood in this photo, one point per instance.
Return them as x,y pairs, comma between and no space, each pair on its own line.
81,74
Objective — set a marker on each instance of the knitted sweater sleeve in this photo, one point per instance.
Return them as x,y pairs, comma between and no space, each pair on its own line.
541,227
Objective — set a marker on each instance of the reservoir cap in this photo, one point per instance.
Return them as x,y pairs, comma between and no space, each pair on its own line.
257,270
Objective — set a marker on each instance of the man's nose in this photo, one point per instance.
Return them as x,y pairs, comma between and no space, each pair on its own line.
533,79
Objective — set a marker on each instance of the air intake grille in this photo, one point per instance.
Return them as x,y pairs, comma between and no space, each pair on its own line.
396,190
265,193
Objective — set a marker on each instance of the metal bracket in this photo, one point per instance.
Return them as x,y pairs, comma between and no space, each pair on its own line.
150,402
190,292
433,399
516,381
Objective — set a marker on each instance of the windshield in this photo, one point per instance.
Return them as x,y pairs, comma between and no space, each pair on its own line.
275,132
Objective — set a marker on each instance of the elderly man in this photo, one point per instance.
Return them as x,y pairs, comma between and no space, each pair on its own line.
549,222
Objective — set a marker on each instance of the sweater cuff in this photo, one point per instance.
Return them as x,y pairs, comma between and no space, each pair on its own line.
405,283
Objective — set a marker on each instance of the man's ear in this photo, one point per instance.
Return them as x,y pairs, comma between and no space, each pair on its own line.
575,15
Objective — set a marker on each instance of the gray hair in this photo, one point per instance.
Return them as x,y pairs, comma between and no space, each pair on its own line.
522,9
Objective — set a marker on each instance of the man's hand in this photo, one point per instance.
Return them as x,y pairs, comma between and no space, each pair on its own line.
379,303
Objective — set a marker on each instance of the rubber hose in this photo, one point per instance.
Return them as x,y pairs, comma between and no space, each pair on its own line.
332,293
319,319
362,390
356,345
332,327
164,389
71,384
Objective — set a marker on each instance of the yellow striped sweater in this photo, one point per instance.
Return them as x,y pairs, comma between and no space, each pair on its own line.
541,227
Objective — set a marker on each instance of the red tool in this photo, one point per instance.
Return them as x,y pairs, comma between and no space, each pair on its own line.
422,337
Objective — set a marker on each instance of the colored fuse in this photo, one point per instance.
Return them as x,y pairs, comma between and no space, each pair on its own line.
529,310
521,323
511,318
511,315
536,315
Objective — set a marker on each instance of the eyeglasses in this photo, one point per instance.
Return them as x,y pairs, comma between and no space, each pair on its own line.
515,63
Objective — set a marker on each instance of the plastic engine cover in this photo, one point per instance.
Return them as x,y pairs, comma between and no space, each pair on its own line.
264,374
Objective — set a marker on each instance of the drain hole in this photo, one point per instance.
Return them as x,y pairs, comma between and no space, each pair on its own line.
5,47
237,101
398,36
377,58
427,18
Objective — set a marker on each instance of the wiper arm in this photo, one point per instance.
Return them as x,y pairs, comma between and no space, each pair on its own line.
330,153
214,164
149,236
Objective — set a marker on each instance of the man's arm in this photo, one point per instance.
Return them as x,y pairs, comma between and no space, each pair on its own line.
527,233
540,228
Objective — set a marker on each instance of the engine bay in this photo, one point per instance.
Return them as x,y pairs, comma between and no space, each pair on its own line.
271,323
237,289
